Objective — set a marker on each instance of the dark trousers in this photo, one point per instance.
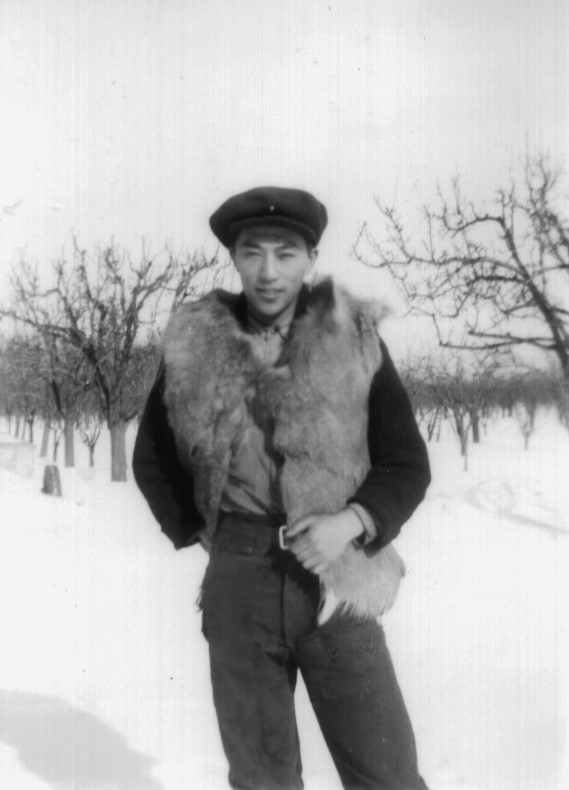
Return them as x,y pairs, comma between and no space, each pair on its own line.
259,617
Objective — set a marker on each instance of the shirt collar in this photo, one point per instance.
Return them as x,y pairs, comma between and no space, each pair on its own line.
255,327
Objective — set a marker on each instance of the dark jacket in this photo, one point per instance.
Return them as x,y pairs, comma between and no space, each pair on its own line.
392,489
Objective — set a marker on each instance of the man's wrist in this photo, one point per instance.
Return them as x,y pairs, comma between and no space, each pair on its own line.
367,532
355,527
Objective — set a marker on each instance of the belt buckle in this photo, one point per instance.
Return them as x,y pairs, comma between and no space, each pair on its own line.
284,543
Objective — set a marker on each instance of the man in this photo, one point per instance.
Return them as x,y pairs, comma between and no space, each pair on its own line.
279,435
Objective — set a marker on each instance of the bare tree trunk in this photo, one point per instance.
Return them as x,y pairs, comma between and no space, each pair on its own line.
432,423
462,433
91,455
459,424
475,426
562,398
69,434
17,431
118,452
464,448
463,438
45,438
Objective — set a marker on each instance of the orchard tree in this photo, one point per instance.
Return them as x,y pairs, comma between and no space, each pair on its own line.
451,387
64,368
23,374
462,387
103,306
68,380
57,430
7,406
417,375
90,423
503,271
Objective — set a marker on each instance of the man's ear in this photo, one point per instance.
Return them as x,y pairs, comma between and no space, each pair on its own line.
313,258
233,257
313,255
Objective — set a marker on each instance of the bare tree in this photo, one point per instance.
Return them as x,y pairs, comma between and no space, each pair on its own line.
417,375
503,271
529,391
90,425
7,405
23,382
450,386
57,429
101,306
68,381
63,366
461,387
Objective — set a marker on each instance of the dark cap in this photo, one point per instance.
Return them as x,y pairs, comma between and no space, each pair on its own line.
285,208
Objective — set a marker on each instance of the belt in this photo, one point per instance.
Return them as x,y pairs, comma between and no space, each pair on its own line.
265,531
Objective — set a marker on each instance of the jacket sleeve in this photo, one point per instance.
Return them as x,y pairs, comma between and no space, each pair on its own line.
399,474
164,482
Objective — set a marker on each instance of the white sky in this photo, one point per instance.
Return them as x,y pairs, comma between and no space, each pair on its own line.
139,117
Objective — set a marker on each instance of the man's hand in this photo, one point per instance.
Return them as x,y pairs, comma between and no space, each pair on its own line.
318,540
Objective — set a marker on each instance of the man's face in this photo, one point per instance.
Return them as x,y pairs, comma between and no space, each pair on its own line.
272,263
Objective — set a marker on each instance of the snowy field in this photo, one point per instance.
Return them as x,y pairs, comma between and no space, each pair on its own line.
103,670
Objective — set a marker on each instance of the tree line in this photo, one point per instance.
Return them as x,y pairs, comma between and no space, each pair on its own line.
52,384
467,392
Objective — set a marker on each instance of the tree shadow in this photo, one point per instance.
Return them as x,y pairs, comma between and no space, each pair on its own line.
69,748
496,496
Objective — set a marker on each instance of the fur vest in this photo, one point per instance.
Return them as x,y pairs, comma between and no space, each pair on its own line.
317,396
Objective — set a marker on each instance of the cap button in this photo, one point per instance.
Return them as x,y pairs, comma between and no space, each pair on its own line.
271,208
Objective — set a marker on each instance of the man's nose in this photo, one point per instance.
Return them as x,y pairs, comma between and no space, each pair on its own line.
268,269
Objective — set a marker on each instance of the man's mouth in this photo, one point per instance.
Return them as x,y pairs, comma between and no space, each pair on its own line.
268,292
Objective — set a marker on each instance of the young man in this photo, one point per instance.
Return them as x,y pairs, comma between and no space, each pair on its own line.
279,435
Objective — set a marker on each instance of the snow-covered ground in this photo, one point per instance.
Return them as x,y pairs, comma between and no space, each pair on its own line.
104,677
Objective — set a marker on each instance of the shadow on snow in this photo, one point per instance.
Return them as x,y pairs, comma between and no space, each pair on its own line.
69,748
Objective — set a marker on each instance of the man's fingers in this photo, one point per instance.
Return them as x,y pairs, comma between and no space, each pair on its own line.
302,552
314,565
298,527
311,562
301,543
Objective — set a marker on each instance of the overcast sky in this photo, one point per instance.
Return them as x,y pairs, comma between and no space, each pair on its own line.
138,117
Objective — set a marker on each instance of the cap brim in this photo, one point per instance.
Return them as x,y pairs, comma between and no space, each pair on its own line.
234,228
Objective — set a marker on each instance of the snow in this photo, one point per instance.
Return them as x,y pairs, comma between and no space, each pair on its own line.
104,679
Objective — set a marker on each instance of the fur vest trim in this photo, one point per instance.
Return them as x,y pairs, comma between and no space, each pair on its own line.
317,395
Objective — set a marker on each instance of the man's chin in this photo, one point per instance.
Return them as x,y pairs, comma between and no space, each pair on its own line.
268,310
